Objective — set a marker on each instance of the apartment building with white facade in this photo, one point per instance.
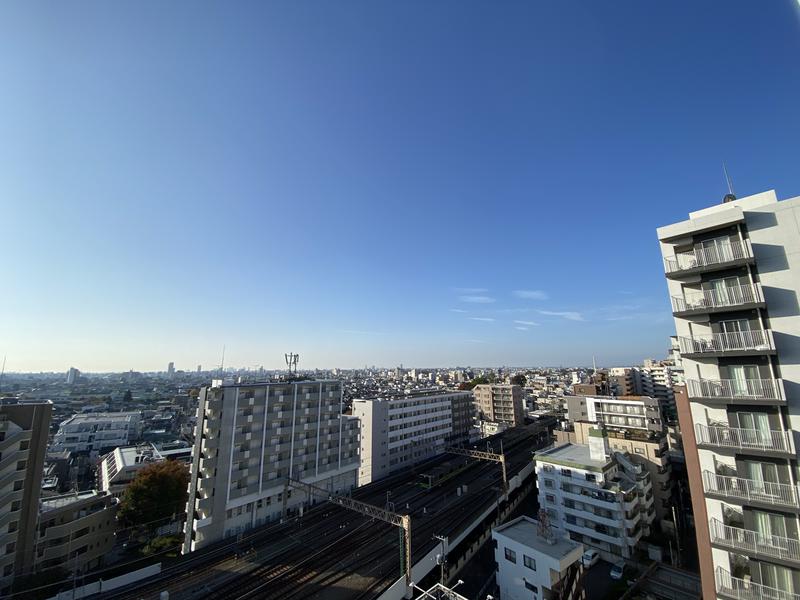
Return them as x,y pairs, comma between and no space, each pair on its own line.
602,498
501,403
97,432
23,445
536,563
250,438
399,431
118,468
733,274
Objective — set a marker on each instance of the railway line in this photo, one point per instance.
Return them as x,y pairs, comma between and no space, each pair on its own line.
339,553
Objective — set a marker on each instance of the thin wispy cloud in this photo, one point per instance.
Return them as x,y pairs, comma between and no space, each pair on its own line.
564,314
360,332
522,328
476,299
470,290
531,294
528,323
484,319
457,310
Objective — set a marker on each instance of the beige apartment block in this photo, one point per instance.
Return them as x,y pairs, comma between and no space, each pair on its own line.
501,403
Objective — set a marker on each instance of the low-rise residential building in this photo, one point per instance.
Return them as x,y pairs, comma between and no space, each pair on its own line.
23,445
500,403
641,413
536,561
646,448
76,531
603,499
399,431
98,431
250,438
118,468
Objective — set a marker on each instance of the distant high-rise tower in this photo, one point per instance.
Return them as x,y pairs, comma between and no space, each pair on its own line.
733,273
171,369
72,375
199,368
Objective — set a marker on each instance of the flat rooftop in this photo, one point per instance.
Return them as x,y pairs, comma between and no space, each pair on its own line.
101,417
525,530
572,455
67,499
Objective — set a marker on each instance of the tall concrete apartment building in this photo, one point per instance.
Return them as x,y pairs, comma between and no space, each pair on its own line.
501,403
23,445
250,438
397,432
733,273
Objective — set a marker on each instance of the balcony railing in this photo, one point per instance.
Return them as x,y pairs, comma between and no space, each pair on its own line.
753,542
744,439
735,389
743,589
739,341
722,253
751,489
716,299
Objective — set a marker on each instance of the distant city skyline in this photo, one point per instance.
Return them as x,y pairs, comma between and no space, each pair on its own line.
365,183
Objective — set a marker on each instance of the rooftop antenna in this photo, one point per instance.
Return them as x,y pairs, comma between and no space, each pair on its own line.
2,372
222,362
291,362
594,365
730,196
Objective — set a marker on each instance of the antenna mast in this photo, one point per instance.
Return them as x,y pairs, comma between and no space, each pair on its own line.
291,362
222,362
2,372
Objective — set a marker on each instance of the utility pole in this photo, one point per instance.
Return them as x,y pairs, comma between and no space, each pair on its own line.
443,557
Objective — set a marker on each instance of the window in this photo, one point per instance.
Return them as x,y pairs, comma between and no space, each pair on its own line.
511,556
639,450
591,477
550,498
529,562
548,483
566,473
531,587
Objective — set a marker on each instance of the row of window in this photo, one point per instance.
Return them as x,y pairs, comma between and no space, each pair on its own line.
528,561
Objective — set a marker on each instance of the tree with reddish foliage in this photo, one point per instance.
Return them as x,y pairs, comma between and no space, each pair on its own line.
157,492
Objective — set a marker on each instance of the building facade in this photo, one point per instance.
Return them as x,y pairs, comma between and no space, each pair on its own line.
603,499
250,438
118,468
76,531
501,403
733,274
536,563
97,432
397,432
23,446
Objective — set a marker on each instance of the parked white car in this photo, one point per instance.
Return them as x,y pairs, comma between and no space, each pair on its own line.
590,558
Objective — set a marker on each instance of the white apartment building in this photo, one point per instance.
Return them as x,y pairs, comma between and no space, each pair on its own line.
399,431
250,438
97,431
733,274
535,563
23,445
118,468
604,502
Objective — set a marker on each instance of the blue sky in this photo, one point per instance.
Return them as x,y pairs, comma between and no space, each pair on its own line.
427,183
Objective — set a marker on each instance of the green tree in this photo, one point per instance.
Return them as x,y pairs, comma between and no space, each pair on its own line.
128,397
519,380
159,491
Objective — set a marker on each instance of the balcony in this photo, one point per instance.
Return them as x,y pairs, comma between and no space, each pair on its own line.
744,439
737,391
740,297
740,343
701,260
743,589
753,543
750,491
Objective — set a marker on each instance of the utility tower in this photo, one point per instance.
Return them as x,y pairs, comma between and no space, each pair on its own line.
291,362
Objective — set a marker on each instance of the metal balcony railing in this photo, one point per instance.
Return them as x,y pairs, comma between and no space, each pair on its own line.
753,542
722,253
744,389
743,589
757,339
744,439
750,489
715,299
